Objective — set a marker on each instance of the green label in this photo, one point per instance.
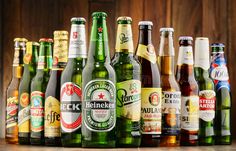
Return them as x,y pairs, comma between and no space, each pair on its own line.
129,99
37,111
99,105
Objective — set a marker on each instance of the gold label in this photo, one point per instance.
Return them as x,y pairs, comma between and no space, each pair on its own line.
24,114
147,52
16,60
124,39
60,52
52,117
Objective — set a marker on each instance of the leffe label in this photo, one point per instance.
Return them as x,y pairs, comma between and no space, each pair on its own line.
147,52
71,116
99,105
12,108
24,113
151,111
185,55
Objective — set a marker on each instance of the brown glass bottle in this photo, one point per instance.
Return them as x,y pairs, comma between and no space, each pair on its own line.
151,87
189,93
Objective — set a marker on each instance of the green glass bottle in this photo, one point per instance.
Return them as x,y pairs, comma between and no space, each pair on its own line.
99,95
38,89
30,65
128,101
207,95
71,83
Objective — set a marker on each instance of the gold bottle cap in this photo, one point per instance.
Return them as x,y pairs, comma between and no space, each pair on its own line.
20,40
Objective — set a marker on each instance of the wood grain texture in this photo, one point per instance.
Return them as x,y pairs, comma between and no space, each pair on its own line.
1,68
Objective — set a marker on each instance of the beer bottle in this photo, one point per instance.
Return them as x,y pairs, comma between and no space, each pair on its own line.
128,101
71,83
219,74
52,131
99,94
38,89
171,95
11,134
151,87
206,92
189,93
30,65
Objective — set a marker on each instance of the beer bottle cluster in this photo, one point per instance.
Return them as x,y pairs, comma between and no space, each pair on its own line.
68,98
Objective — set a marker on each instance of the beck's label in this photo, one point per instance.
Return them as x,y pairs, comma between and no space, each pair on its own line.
24,113
52,117
99,105
190,113
37,111
171,108
147,52
151,111
12,109
185,55
71,116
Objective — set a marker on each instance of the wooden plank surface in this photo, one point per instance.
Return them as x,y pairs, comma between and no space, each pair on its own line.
1,68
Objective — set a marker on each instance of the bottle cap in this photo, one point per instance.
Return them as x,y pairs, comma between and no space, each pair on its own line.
185,38
20,40
145,23
99,14
46,40
165,29
124,18
78,19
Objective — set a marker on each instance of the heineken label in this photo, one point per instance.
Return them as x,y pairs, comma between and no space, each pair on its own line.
207,100
129,100
151,111
77,47
225,122
171,108
52,117
24,113
147,52
124,39
71,117
99,105
37,111
190,113
45,62
12,109
185,55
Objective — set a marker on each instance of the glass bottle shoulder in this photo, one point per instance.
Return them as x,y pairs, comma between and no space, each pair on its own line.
169,83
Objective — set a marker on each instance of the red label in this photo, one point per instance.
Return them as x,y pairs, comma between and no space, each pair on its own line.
207,104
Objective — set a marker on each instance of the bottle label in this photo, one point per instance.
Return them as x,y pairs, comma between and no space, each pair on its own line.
71,117
28,56
99,105
147,52
185,55
124,39
207,99
129,100
42,63
16,59
24,113
37,111
171,107
151,111
77,47
190,113
225,122
60,55
12,109
52,117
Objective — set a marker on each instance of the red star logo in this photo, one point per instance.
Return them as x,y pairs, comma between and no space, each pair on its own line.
100,29
101,96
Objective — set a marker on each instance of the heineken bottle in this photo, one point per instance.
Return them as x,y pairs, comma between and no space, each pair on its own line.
99,94
38,89
71,83
128,100
30,65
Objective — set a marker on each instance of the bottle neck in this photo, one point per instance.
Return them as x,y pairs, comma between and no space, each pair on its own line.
45,56
166,44
145,36
17,69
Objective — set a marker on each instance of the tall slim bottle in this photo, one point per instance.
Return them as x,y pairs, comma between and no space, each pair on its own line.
11,135
38,89
30,65
171,95
99,95
71,84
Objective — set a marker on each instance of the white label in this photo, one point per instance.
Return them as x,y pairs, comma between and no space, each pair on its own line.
171,102
220,73
185,55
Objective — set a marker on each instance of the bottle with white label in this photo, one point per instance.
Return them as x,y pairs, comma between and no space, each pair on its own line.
71,84
189,93
207,95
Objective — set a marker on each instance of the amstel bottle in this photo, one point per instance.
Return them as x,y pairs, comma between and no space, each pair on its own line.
71,84
11,133
128,101
52,130
30,66
189,93
151,87
99,94
171,95
38,89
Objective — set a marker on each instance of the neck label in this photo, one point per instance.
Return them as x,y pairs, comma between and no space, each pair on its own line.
147,52
185,55
124,39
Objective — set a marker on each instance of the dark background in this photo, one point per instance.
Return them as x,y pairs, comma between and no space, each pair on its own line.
34,19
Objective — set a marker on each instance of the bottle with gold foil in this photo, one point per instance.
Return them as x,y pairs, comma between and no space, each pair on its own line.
11,134
30,65
52,130
151,87
128,100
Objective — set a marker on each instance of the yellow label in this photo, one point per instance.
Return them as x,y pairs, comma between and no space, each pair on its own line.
24,114
124,39
151,111
147,52
52,117
60,50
